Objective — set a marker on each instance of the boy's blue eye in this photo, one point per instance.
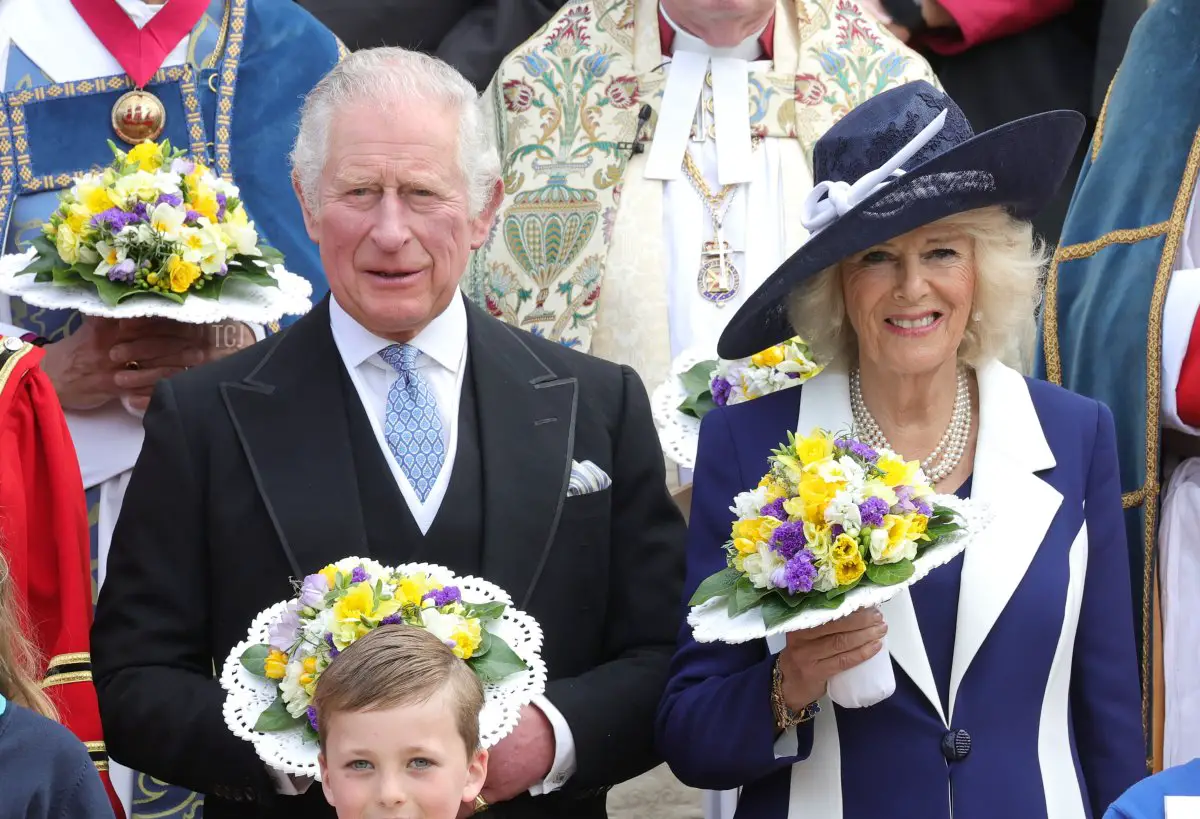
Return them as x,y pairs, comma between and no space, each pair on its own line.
420,763
360,765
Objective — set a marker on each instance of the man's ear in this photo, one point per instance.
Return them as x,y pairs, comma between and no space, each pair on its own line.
481,226
311,220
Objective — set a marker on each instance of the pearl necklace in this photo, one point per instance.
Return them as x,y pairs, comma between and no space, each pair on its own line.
949,451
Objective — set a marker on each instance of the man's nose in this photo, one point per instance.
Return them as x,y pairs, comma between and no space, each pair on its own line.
390,230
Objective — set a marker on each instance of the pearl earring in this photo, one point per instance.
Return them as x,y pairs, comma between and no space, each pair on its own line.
977,317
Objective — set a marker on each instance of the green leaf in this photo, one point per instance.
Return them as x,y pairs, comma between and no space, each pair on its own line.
698,383
309,734
840,591
251,273
778,609
823,601
745,597
487,611
254,659
276,718
499,662
718,584
42,264
270,255
212,288
485,644
889,574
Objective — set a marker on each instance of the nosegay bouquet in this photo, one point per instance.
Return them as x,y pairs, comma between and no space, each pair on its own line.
152,223
272,677
832,514
716,383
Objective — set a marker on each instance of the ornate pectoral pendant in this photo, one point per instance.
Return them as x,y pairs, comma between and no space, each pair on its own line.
718,280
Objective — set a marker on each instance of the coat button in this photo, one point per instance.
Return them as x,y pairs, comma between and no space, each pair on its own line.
956,744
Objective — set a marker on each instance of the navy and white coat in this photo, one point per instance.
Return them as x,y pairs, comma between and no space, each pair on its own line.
1043,677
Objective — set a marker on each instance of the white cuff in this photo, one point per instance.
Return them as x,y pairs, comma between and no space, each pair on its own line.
288,785
11,330
564,750
260,332
787,744
1179,314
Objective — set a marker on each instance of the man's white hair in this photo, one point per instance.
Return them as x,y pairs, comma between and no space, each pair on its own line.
382,76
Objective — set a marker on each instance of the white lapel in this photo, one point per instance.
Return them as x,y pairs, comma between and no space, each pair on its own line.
1010,449
825,403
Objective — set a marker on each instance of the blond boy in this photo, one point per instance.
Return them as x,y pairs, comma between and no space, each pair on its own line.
398,717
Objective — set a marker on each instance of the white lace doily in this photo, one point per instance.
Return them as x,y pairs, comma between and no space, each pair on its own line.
678,432
239,301
247,695
710,621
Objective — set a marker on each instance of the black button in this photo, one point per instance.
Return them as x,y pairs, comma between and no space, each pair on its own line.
956,744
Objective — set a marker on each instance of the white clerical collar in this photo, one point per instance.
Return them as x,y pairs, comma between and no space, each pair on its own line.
692,60
40,28
443,340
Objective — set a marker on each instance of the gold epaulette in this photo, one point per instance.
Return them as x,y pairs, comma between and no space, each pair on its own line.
12,350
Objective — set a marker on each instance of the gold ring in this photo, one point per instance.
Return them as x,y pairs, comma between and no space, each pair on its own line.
132,365
480,804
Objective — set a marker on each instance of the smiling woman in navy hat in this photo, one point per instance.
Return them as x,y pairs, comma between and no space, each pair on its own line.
1016,679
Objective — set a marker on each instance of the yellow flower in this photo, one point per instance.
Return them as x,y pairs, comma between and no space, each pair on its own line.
275,665
756,529
816,493
97,199
816,447
181,274
147,156
817,535
917,524
77,219
875,488
897,472
355,606
204,202
770,357
467,638
775,490
897,529
847,561
67,243
411,589
330,573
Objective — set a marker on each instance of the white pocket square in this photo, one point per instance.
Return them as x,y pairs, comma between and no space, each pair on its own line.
586,478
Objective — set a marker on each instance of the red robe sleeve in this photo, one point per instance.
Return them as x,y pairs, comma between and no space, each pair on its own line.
44,534
982,20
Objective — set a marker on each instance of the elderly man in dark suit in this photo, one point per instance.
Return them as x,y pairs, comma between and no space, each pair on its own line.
396,421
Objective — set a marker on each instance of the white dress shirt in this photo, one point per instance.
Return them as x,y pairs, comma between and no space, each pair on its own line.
442,361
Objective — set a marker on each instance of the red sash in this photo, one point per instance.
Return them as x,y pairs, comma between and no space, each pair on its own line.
140,51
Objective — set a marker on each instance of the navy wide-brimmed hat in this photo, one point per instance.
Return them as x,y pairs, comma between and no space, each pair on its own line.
900,160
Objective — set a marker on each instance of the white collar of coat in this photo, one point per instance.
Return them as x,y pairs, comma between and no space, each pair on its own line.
730,67
1010,449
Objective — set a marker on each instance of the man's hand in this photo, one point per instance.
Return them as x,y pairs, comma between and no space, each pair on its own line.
520,760
149,350
80,368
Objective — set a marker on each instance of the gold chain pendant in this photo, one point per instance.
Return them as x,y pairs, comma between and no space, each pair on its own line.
719,279
138,117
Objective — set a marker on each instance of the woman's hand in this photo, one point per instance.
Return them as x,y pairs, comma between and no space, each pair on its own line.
814,655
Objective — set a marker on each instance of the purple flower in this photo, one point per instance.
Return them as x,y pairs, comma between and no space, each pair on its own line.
872,511
774,509
333,652
122,272
444,596
192,216
904,502
392,620
314,590
720,391
857,448
283,632
358,575
139,211
923,508
172,199
223,271
788,539
800,573
182,166
221,202
835,530
312,717
115,218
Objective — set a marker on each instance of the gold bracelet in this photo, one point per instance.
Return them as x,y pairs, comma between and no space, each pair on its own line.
785,717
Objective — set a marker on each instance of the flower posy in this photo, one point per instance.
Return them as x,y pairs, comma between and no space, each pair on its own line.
713,384
831,513
346,600
154,222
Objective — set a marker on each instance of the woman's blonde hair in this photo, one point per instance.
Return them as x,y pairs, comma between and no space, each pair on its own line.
18,658
1009,263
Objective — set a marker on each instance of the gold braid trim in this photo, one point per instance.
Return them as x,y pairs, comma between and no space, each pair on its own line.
1067,253
1166,266
69,659
1135,498
10,364
99,754
219,50
67,679
1098,136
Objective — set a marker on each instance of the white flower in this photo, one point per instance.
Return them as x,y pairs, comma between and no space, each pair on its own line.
843,511
760,566
167,221
825,579
205,246
316,628
220,185
748,504
442,626
844,469
167,182
242,236
141,185
110,257
819,541
294,696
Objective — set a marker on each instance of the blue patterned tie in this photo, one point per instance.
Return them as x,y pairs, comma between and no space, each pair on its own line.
413,427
